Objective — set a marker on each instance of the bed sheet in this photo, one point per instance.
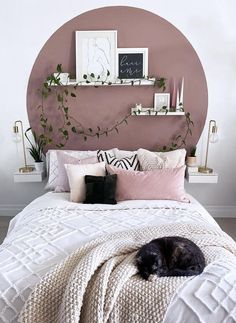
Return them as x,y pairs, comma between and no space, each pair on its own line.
51,227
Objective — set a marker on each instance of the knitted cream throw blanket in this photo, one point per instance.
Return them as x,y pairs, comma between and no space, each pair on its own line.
99,282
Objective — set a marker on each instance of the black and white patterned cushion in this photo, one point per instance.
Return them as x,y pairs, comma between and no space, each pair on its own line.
128,163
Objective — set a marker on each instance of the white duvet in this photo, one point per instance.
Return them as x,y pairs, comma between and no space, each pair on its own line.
51,227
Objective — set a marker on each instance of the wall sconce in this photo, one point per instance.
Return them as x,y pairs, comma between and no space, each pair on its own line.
17,138
212,138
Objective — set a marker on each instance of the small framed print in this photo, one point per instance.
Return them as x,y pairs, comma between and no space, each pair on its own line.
132,63
161,101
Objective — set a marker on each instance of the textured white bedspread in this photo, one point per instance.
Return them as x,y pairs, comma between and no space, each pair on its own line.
50,228
207,298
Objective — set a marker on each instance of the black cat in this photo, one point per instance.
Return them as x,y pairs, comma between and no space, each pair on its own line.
170,256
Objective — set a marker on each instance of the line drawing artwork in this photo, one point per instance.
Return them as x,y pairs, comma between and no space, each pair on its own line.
97,52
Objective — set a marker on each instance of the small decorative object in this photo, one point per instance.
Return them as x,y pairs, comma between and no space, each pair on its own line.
191,158
96,54
63,77
138,107
161,101
132,63
36,151
173,99
17,138
213,138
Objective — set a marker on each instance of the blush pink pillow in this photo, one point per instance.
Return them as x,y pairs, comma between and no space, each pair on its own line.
159,184
64,158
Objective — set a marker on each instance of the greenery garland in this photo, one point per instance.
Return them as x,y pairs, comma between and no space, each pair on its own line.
72,125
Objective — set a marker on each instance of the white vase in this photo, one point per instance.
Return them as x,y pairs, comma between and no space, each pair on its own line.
39,166
64,77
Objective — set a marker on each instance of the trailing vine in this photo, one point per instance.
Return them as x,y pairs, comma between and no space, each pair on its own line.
180,140
53,86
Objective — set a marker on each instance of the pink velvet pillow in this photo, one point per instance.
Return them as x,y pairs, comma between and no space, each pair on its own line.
64,158
159,184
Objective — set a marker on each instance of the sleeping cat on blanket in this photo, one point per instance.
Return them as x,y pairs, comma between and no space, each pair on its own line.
170,256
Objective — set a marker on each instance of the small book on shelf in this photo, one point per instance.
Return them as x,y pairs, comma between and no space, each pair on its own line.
192,169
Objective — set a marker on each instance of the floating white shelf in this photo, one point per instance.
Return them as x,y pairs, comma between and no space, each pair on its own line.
28,177
116,83
201,178
156,113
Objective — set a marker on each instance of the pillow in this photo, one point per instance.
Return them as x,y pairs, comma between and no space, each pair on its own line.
124,163
62,159
76,175
52,163
124,153
152,160
100,189
159,184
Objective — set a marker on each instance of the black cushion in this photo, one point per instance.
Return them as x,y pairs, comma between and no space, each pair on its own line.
100,189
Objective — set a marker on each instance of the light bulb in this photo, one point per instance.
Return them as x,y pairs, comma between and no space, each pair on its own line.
16,137
214,137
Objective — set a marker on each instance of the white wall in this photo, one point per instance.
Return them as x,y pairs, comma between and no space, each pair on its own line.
209,25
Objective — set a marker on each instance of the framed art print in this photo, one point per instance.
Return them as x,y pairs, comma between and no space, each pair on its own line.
96,54
161,101
132,63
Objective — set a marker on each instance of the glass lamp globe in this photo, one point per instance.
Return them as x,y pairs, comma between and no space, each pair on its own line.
214,136
16,137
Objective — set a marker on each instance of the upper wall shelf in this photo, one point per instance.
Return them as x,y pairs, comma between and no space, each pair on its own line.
138,82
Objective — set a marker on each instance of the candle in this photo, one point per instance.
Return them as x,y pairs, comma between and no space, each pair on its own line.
177,100
181,99
173,101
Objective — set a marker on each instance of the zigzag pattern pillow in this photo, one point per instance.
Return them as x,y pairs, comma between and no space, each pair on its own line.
128,163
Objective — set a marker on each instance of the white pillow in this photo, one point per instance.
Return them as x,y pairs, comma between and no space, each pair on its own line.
76,174
155,160
52,163
124,153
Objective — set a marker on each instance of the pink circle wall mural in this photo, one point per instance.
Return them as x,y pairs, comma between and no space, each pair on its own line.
170,55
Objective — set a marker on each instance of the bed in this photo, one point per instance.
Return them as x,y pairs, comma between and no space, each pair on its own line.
46,272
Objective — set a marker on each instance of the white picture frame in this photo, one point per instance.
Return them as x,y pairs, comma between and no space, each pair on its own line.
161,100
131,63
96,54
